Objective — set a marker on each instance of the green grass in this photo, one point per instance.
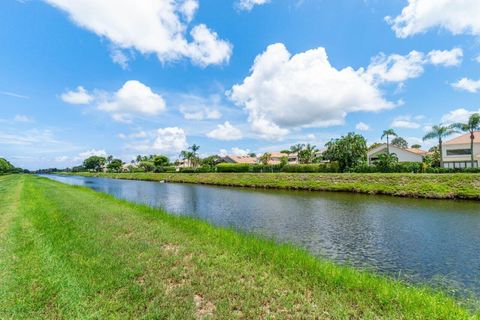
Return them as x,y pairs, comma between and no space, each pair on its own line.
435,186
68,252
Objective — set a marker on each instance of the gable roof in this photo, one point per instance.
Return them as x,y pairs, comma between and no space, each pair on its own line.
411,150
464,139
417,151
242,159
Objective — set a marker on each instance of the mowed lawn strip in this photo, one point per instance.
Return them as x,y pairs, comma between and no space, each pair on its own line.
71,253
435,186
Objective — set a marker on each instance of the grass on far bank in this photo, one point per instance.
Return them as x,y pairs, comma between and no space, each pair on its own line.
435,186
68,252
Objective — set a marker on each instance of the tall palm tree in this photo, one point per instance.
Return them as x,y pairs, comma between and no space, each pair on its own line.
471,126
439,132
296,148
389,133
194,149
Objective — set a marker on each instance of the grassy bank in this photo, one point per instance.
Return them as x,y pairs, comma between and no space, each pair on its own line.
435,186
69,252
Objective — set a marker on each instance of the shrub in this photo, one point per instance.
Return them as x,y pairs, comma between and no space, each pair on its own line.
266,168
304,168
233,167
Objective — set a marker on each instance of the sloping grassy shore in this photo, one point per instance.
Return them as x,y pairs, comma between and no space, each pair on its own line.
69,252
435,186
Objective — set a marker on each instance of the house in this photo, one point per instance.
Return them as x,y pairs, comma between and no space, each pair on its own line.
403,155
240,159
457,152
276,157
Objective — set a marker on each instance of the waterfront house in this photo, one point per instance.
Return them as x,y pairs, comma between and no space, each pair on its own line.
403,155
240,159
457,151
276,157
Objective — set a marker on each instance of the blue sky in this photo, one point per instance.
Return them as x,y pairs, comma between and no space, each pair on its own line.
117,77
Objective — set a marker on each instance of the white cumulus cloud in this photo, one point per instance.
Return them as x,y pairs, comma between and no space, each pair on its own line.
79,96
466,84
446,57
362,126
458,115
248,5
169,141
155,26
456,16
133,98
226,132
90,153
405,122
235,151
285,91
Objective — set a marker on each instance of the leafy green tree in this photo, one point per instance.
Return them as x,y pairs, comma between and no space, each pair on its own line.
439,132
283,161
115,165
399,142
286,151
472,125
5,166
374,145
253,155
211,161
307,154
349,151
147,166
265,158
416,146
95,163
388,133
433,158
161,161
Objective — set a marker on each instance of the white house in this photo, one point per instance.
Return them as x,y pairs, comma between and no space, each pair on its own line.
403,155
457,152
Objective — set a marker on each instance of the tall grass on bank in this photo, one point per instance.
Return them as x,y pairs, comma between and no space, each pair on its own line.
435,186
69,252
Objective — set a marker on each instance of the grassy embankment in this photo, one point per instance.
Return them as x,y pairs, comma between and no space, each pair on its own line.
69,252
435,186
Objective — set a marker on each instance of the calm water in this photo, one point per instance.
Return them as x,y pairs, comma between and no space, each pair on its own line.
422,241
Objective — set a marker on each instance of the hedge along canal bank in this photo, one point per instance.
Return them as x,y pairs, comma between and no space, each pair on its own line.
430,186
415,239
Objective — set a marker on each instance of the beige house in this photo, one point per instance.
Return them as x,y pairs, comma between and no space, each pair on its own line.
276,157
240,159
457,152
403,155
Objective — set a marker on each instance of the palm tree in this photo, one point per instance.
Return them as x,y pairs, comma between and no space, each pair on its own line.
187,155
439,132
194,149
388,133
471,126
307,154
296,148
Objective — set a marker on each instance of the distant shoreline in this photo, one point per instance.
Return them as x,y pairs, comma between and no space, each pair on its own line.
458,186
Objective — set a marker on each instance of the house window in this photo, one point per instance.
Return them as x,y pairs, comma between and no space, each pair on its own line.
459,152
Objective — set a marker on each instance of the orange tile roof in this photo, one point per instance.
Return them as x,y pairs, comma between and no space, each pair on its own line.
242,159
464,139
417,151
